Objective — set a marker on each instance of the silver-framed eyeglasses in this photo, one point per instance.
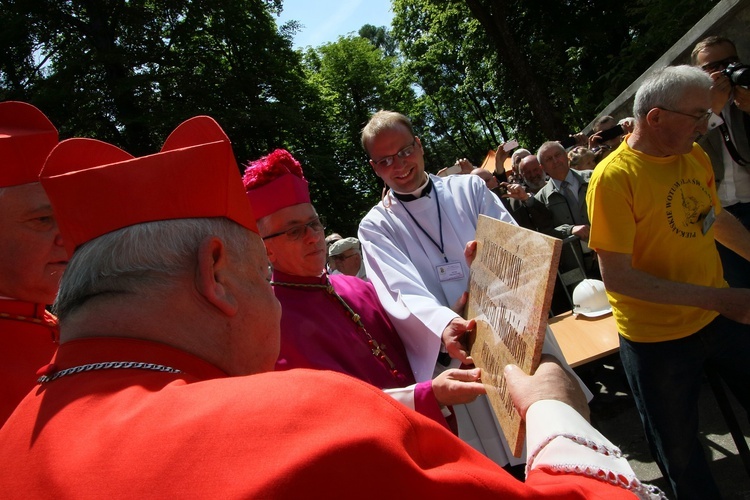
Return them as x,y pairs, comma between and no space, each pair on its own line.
704,117
387,161
297,232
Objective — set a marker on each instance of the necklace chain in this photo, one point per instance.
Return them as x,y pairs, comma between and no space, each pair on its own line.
110,365
377,349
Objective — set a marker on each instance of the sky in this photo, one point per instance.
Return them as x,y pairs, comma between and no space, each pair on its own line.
325,20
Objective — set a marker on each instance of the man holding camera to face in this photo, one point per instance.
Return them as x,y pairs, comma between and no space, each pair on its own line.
727,141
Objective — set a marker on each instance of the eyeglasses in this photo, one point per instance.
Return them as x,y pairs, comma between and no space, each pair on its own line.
703,117
341,257
387,161
297,232
719,65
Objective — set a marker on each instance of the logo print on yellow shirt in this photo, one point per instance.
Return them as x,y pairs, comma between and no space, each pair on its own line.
687,203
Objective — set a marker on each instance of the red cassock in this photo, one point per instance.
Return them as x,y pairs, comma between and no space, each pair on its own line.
138,432
28,335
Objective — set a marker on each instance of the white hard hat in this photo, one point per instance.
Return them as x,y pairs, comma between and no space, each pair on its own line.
590,299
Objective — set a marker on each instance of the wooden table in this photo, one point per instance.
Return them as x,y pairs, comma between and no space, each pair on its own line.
584,339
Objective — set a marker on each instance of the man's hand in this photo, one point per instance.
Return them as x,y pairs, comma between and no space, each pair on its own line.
515,191
466,166
595,140
455,387
550,381
628,125
470,252
581,231
720,91
456,339
500,156
581,139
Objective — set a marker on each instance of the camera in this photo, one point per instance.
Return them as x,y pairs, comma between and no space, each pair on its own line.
568,142
738,74
611,133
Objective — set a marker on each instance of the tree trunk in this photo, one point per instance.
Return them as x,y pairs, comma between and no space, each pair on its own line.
494,22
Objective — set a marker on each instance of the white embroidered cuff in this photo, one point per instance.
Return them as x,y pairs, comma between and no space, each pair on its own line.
561,441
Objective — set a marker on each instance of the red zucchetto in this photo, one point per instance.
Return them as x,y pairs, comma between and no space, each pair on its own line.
96,188
274,182
26,138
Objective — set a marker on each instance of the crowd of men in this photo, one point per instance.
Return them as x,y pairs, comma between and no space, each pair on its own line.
219,344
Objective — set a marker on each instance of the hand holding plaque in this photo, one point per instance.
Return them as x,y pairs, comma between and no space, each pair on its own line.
510,290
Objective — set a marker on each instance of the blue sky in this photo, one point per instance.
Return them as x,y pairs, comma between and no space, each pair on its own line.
325,20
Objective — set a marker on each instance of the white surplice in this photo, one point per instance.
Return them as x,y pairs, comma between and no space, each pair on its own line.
403,257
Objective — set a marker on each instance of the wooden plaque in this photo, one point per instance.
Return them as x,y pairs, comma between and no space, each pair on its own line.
510,291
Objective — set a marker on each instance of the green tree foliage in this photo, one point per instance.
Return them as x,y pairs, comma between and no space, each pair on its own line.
470,74
444,48
658,24
531,70
380,37
128,72
355,77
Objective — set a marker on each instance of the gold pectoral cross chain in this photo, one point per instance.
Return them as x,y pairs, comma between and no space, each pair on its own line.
378,350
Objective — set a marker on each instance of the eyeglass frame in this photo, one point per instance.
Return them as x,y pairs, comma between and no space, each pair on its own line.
715,66
391,158
698,119
341,257
299,227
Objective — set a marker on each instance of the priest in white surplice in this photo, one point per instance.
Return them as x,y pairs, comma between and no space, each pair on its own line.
413,242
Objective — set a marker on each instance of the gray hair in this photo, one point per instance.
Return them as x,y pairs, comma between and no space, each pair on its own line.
383,120
518,155
140,257
548,145
666,87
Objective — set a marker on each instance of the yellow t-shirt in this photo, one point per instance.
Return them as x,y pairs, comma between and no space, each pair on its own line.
654,208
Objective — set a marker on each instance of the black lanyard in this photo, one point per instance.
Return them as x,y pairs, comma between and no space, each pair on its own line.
441,246
731,149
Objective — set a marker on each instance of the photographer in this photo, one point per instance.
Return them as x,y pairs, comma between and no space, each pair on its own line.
727,142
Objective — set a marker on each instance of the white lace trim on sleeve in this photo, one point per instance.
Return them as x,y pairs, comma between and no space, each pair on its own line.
563,442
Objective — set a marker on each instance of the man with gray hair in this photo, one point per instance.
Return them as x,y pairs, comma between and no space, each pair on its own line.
564,195
168,324
655,218
515,163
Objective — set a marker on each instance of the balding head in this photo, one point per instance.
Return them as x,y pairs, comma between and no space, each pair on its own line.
489,179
